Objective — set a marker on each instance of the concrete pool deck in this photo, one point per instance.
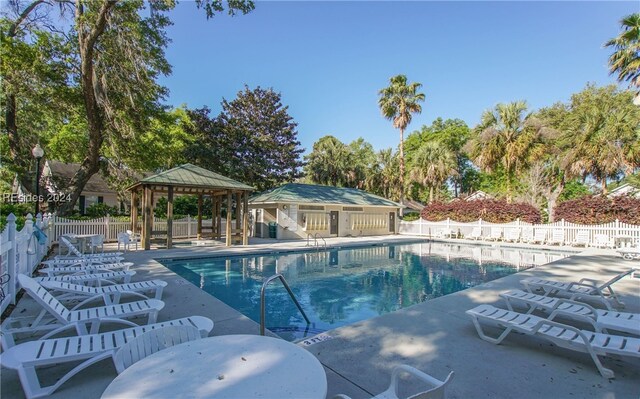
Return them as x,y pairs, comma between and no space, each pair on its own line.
435,336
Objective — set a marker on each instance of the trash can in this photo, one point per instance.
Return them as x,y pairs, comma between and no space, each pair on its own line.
273,230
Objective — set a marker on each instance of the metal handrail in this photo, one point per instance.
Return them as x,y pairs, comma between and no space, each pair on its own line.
263,303
315,240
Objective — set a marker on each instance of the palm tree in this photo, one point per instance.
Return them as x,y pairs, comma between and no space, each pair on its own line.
398,102
433,164
329,162
505,138
625,60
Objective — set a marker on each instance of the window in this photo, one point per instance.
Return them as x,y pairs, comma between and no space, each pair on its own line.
311,208
352,208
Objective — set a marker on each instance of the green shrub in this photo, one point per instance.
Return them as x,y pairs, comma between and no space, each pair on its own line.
490,210
101,210
411,216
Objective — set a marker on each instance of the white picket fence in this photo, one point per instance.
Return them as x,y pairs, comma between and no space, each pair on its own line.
617,233
21,252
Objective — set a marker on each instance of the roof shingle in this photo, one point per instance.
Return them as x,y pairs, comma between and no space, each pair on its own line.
312,193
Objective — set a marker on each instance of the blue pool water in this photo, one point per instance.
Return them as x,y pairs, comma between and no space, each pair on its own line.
343,286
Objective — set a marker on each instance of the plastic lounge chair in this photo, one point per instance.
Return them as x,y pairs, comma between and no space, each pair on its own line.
602,320
582,238
539,236
476,234
583,289
445,233
88,269
602,241
527,234
512,235
94,279
557,237
110,294
496,234
75,251
630,253
560,334
79,318
75,261
90,349
151,342
437,388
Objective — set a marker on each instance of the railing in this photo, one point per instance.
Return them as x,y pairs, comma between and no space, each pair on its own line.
263,303
315,240
614,234
20,252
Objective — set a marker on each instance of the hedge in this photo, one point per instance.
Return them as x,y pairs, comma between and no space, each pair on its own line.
598,210
490,210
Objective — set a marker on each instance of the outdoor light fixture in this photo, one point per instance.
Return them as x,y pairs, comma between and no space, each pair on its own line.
38,153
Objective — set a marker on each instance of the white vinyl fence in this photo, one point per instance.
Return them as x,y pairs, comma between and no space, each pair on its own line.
20,252
615,234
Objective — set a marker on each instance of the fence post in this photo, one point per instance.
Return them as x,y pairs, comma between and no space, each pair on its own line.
11,257
449,226
38,245
617,233
188,226
564,231
28,233
420,225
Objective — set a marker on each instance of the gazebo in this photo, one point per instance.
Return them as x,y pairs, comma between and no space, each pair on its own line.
189,179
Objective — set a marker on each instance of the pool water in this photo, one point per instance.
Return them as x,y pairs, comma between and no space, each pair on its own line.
343,286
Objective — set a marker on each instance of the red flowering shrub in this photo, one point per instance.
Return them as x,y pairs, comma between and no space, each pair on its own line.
599,210
491,210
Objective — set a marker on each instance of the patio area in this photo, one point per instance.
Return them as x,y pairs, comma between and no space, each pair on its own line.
435,336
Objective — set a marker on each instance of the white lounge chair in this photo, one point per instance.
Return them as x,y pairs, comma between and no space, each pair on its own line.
476,234
539,236
602,320
94,279
630,253
582,238
527,234
512,235
109,294
78,254
496,234
445,233
61,316
90,349
88,269
584,289
151,342
560,334
602,241
437,388
557,237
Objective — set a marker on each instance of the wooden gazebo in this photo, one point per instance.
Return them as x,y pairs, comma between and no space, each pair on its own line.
191,180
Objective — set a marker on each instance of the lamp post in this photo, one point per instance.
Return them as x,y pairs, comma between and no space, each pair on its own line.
38,153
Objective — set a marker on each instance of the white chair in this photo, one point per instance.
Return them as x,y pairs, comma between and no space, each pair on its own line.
89,349
560,334
94,279
585,289
512,235
602,320
97,241
126,241
539,237
109,294
86,269
496,234
80,319
151,342
602,241
557,237
75,261
134,237
437,388
476,234
527,234
78,254
582,238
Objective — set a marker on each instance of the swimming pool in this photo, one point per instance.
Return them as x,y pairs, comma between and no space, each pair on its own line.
342,286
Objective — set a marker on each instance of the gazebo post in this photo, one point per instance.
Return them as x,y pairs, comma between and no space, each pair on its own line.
146,227
134,211
153,216
229,215
219,217
199,216
238,209
245,218
170,217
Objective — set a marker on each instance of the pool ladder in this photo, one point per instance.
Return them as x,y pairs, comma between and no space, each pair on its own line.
315,241
263,302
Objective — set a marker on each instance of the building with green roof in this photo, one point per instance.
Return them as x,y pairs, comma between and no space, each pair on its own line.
295,210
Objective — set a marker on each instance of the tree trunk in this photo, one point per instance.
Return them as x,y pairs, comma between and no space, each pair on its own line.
604,186
430,194
401,169
552,200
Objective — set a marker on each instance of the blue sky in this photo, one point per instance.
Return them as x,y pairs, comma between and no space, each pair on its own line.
329,59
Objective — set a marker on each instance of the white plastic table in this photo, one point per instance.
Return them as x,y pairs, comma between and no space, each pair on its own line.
228,366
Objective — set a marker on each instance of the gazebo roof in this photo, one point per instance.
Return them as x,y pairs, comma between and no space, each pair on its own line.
191,179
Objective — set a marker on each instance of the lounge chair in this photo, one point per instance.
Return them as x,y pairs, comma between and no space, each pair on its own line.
584,289
109,294
602,241
527,234
560,334
94,279
582,238
557,237
437,388
75,261
512,235
539,236
445,233
151,342
78,318
476,234
496,234
75,251
88,269
90,349
630,253
602,320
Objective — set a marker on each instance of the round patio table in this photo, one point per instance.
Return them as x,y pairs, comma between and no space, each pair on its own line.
228,366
